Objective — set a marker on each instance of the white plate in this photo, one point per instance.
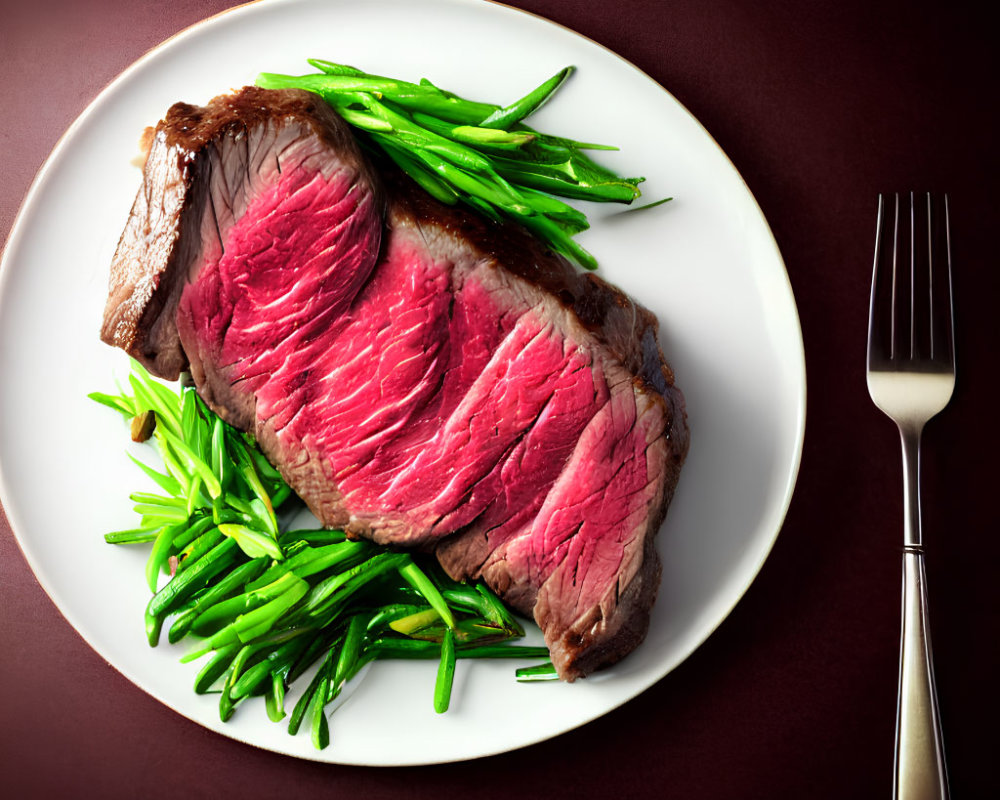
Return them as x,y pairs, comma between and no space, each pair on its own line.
705,263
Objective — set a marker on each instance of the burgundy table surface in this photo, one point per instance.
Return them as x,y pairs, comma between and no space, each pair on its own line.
820,105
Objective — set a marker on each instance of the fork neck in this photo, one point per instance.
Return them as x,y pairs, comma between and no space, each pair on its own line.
909,435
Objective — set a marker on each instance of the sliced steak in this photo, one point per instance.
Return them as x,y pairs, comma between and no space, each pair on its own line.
421,377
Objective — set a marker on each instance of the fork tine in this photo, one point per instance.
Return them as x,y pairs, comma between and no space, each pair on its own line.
882,309
934,329
940,312
948,329
873,338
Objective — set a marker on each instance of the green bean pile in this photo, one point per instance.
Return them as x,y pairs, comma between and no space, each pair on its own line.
480,154
267,604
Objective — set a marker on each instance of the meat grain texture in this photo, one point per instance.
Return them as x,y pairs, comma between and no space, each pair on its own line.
420,376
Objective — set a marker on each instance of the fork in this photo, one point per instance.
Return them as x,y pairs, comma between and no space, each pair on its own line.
911,377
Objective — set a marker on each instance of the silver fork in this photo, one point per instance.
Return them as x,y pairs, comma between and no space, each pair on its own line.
911,376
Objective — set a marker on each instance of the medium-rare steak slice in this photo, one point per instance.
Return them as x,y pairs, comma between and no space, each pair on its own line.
421,377
291,157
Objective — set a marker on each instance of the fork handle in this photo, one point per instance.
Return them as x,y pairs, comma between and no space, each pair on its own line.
920,772
920,767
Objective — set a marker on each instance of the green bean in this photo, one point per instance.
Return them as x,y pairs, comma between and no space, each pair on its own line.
563,179
503,651
548,141
149,396
387,614
318,682
447,106
218,451
345,583
445,674
438,188
190,534
261,464
278,661
401,648
167,482
259,619
320,727
541,672
262,516
132,536
426,97
239,505
323,640
346,553
149,499
496,611
195,498
195,461
514,113
190,427
253,543
158,555
227,704
164,512
484,208
215,668
493,190
144,399
412,623
274,698
247,470
350,651
200,545
230,583
165,400
118,403
418,579
216,616
557,210
333,69
474,135
280,495
320,559
559,240
466,631
319,536
420,140
366,122
184,584
153,624
172,464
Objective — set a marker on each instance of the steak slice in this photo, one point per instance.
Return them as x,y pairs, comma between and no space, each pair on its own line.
420,376
277,151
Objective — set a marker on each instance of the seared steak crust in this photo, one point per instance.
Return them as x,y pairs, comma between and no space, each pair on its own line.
421,377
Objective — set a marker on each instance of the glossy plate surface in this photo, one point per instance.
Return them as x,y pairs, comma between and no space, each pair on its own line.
705,263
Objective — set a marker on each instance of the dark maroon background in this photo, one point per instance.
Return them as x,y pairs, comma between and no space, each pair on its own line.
820,105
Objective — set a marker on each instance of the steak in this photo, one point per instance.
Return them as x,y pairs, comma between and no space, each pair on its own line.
420,376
